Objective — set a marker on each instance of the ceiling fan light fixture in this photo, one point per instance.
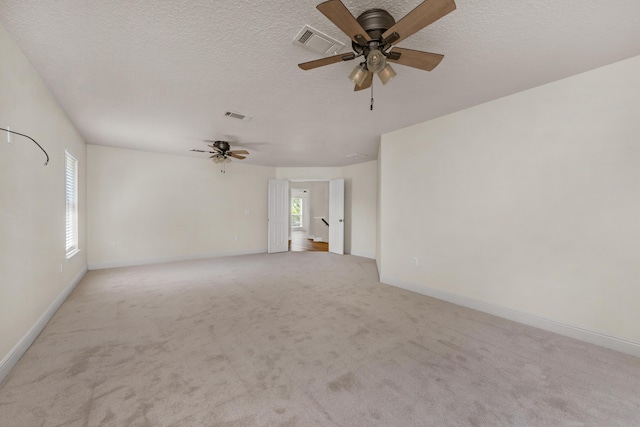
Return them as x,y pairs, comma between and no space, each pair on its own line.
386,74
376,61
359,74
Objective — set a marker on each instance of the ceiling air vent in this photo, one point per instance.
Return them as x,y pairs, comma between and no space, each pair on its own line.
317,42
238,116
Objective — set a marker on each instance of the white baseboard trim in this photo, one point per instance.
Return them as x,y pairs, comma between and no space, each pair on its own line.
593,337
363,254
133,263
10,360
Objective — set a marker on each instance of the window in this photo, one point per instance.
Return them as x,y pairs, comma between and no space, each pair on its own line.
296,212
71,195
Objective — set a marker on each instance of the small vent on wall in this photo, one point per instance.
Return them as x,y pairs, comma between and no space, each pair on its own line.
315,41
238,116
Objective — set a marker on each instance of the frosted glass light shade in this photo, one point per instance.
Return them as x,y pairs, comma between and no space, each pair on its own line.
376,61
386,74
358,75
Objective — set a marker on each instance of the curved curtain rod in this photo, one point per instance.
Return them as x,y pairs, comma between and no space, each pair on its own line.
27,136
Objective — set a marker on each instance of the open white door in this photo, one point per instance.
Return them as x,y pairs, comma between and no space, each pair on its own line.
336,216
278,216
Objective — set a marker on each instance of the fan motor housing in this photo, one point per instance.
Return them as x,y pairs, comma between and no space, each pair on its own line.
222,145
375,22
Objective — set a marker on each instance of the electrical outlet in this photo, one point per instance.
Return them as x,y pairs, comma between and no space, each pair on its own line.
112,245
61,267
236,237
414,261
9,139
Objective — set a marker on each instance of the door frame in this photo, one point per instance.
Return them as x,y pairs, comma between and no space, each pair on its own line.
336,216
288,207
278,199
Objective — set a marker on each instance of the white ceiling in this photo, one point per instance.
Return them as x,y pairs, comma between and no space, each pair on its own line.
159,75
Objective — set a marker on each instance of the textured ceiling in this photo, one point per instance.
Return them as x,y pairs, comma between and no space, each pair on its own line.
159,75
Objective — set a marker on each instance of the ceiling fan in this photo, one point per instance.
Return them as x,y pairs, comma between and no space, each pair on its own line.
374,35
222,152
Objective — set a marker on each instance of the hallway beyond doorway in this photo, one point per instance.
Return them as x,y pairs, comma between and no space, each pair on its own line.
300,243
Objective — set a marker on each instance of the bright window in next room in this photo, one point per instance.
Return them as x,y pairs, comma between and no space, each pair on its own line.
71,196
296,212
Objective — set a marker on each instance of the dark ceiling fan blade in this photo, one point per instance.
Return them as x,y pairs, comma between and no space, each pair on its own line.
338,13
367,82
428,12
417,59
238,152
326,61
235,156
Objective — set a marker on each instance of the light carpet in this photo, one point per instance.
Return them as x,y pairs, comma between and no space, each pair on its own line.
301,339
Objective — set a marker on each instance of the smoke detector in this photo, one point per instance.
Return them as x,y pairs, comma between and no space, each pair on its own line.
315,41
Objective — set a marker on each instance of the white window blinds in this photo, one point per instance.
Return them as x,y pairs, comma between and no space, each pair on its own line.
71,190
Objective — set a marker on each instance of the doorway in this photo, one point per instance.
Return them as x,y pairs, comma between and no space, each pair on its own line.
309,207
301,218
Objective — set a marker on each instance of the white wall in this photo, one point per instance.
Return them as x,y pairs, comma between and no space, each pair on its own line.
379,209
149,207
32,205
361,205
310,174
360,201
530,202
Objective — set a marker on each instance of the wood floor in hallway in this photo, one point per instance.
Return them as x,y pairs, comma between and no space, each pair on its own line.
300,243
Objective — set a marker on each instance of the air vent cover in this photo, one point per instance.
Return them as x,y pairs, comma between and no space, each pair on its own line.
317,42
239,116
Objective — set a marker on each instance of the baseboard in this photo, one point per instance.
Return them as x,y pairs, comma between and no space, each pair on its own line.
593,337
133,263
25,342
364,255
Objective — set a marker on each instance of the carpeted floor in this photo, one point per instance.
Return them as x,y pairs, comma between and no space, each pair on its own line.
301,339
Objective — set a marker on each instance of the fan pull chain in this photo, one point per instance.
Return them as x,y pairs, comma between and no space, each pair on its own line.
371,96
